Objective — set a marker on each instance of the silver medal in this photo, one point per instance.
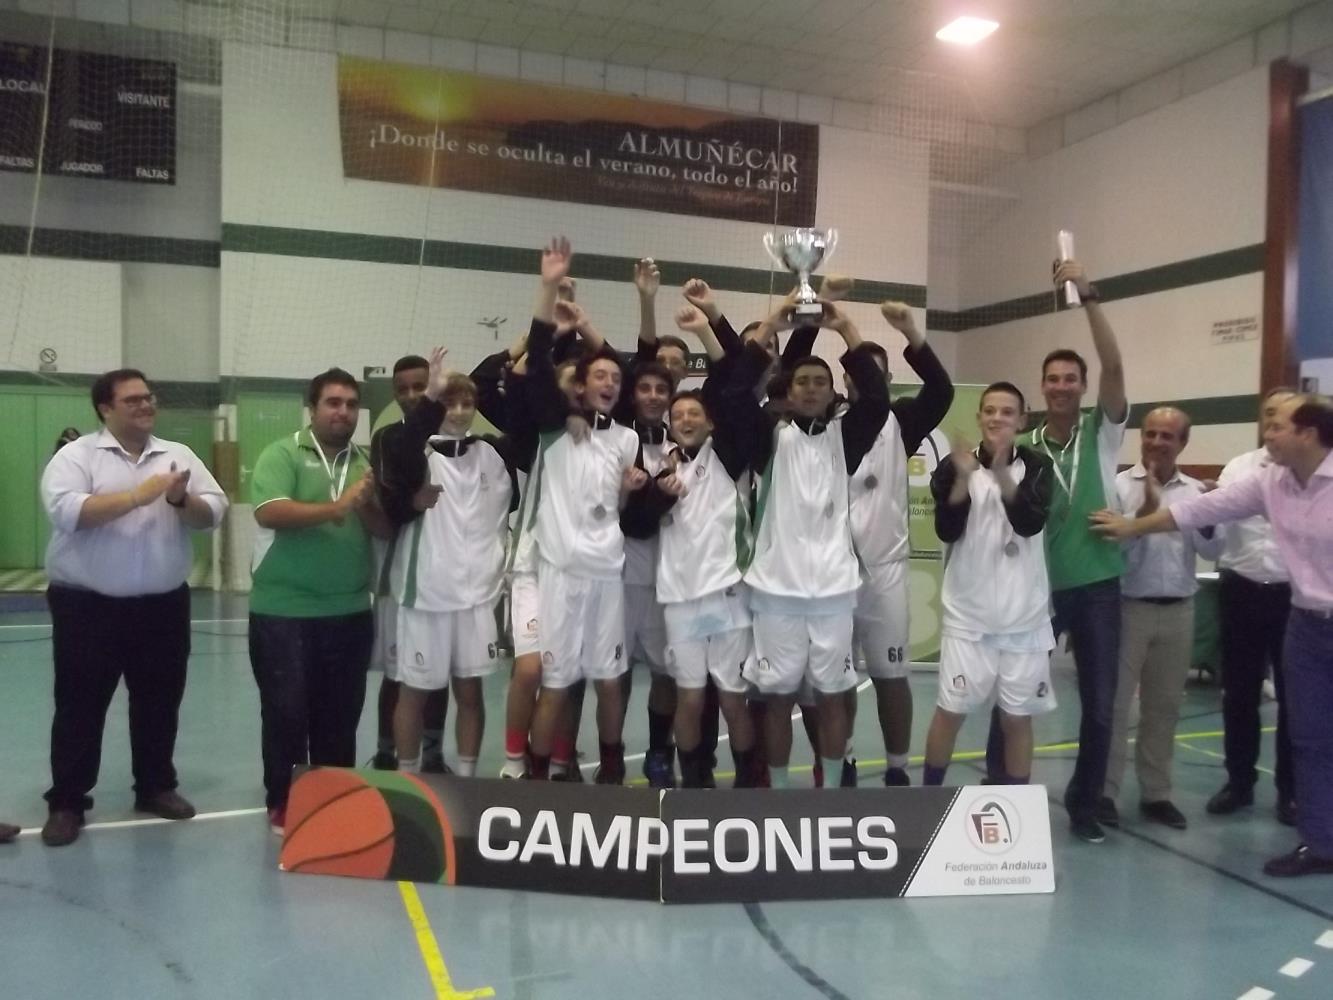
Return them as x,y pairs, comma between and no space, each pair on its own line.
599,512
871,482
828,509
1011,548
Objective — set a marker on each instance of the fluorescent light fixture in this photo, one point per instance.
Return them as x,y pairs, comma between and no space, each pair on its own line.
966,30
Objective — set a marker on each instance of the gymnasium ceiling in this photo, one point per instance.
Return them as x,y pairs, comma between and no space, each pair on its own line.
1047,58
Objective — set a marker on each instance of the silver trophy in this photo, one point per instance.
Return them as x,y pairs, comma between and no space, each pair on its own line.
801,251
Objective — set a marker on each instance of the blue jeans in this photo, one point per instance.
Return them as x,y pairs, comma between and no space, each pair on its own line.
1091,616
1308,661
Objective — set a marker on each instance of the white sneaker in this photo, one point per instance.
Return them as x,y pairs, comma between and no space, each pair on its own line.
514,769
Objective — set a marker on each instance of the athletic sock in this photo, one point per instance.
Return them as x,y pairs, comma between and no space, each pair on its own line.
659,730
745,768
407,766
933,775
832,766
778,777
691,771
467,767
516,743
898,760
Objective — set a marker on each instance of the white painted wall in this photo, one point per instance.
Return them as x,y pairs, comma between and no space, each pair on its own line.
1180,182
282,167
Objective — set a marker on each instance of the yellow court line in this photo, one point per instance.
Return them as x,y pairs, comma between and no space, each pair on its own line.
430,950
981,754
1211,753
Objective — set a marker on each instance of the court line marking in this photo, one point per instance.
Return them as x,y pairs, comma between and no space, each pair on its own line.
774,941
1325,940
1211,753
1257,993
1296,968
430,950
123,824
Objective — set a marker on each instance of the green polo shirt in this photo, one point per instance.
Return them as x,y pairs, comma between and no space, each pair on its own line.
1075,556
315,572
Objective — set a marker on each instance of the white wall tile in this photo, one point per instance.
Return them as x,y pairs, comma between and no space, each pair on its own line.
407,47
587,73
1221,64
665,85
158,15
544,67
744,97
780,103
497,60
103,11
453,53
626,79
1046,137
1090,119
705,92
1149,94
851,114
355,40
814,108
1311,29
1272,41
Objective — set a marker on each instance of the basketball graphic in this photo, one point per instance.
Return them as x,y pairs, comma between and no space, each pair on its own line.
371,824
337,825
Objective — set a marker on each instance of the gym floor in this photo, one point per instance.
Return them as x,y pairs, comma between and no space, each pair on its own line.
143,908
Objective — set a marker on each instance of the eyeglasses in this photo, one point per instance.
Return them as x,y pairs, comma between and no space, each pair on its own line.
147,399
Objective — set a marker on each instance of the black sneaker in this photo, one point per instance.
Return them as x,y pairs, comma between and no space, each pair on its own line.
1298,862
658,769
1107,813
1087,829
1229,799
384,760
848,777
1164,812
435,765
896,777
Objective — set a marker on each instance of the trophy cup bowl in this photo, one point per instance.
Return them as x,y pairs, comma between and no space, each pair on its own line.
801,251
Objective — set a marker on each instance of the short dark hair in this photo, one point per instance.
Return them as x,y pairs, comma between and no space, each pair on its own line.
1008,387
104,388
693,394
779,385
671,340
1315,412
811,361
410,362
650,369
334,376
605,353
1065,354
877,352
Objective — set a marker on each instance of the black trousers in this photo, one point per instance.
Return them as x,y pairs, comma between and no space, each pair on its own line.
311,674
96,641
1253,622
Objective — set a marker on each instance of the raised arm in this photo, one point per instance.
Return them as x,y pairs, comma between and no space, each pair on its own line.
919,415
865,417
1111,385
647,280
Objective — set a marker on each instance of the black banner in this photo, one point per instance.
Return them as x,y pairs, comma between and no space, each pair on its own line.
108,117
755,845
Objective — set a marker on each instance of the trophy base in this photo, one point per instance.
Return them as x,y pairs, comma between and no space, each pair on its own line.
808,310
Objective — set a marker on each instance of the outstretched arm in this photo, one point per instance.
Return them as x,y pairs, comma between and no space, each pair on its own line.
1111,386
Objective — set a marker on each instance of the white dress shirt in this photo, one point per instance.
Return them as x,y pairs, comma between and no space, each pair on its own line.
146,551
1162,565
1249,547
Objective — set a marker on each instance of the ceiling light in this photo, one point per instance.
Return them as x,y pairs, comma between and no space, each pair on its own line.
966,30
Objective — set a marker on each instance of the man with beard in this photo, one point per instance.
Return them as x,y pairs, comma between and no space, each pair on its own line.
311,627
